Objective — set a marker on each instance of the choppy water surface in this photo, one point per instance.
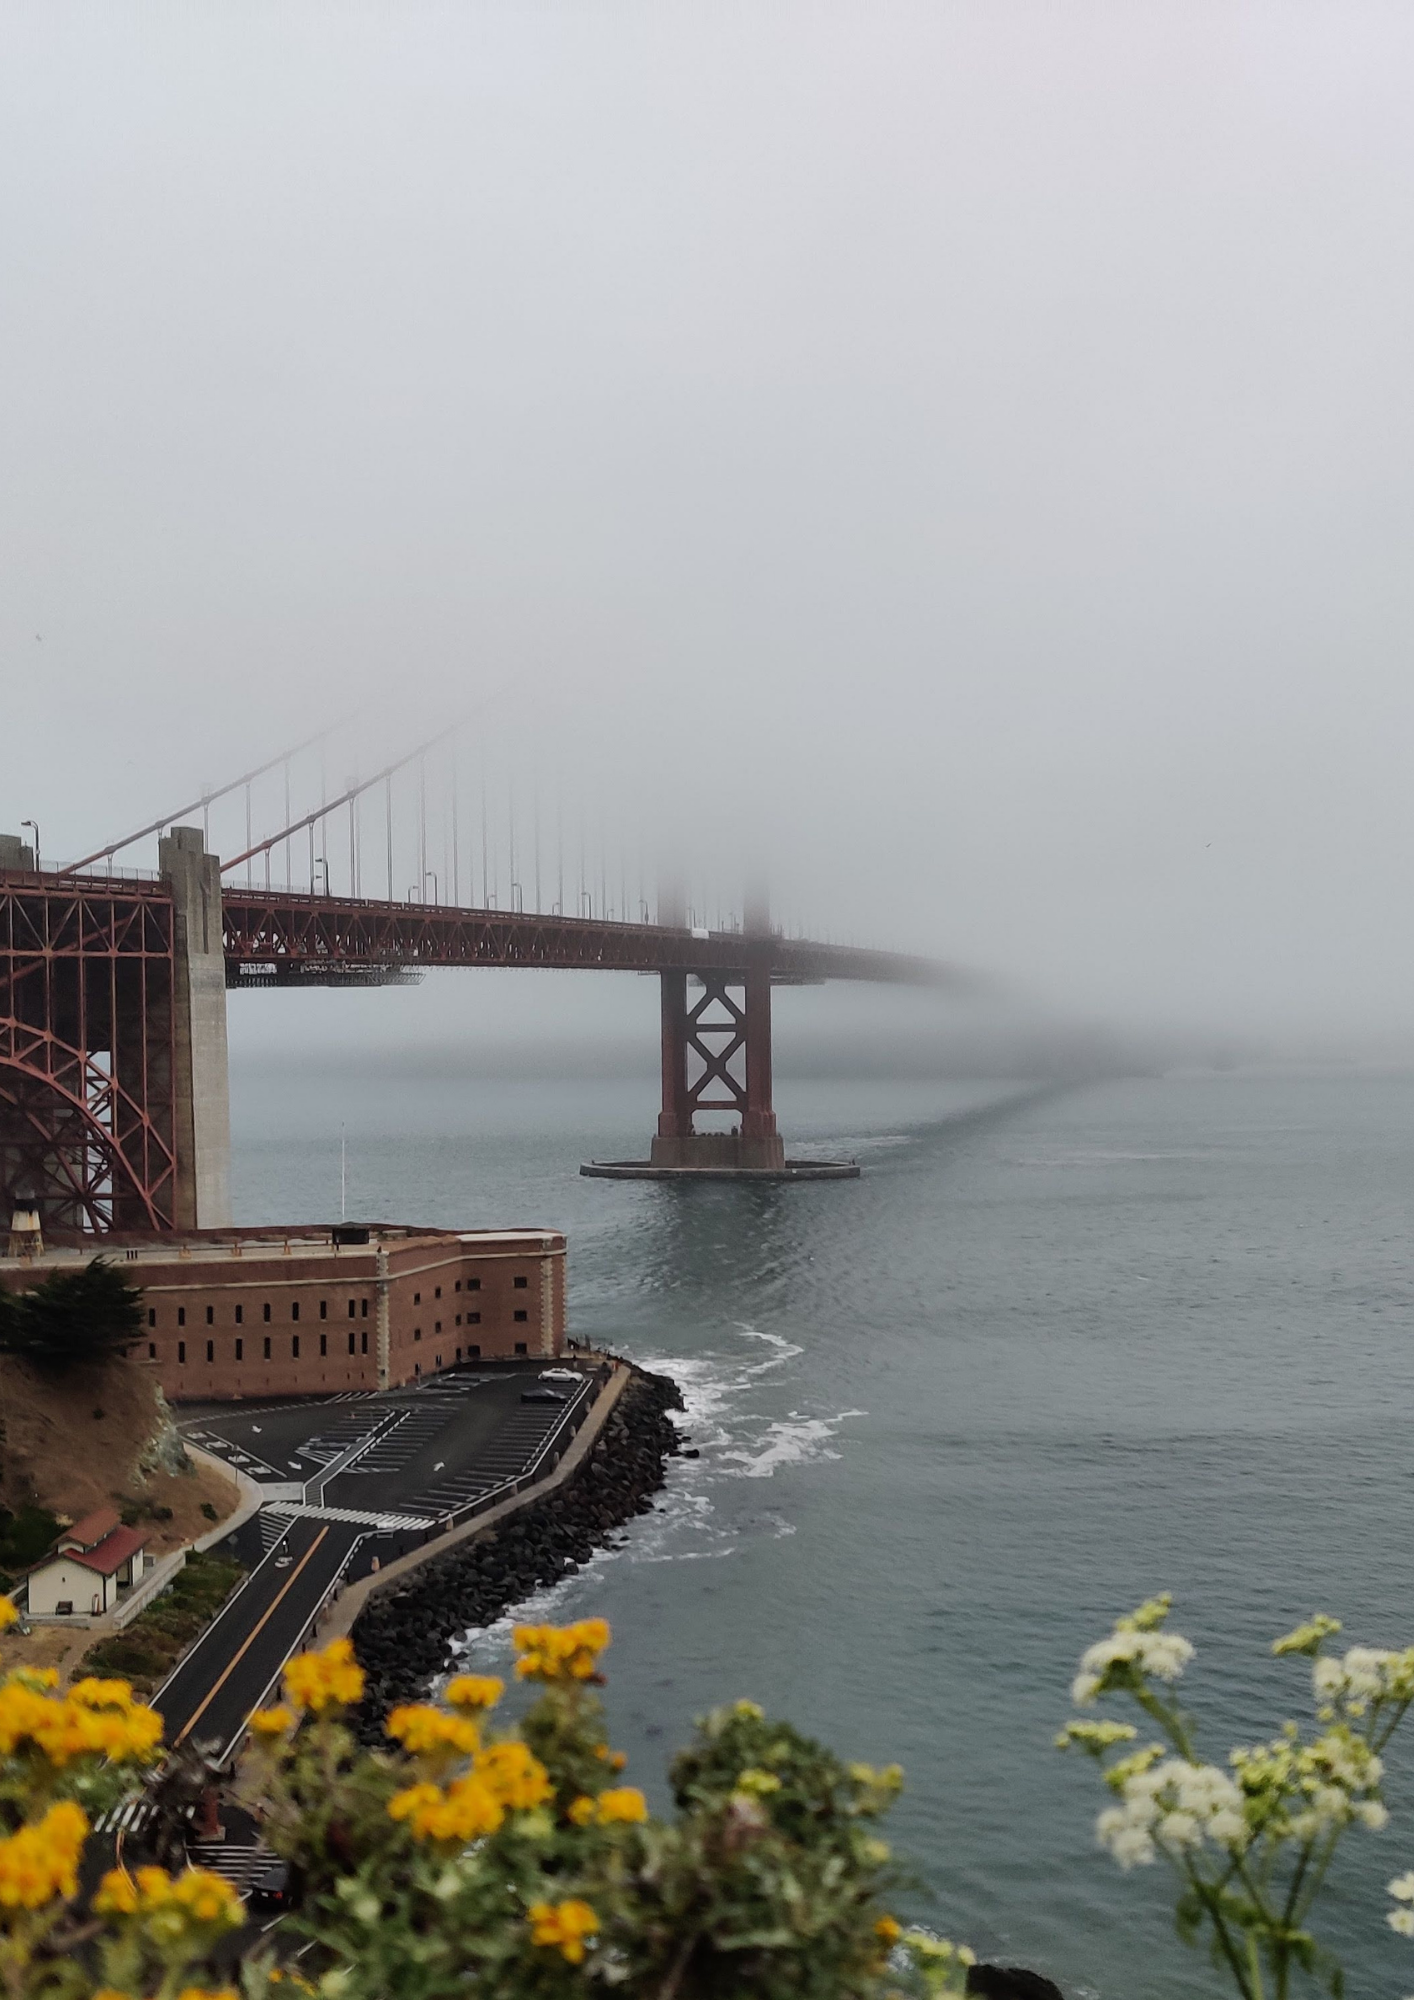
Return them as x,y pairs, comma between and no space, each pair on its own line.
1049,1355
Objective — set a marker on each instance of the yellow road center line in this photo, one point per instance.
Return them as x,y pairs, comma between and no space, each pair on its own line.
250,1639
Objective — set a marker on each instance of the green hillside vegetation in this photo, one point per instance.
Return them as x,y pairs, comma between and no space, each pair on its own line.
150,1647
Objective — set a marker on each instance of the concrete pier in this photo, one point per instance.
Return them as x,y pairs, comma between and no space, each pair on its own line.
202,1093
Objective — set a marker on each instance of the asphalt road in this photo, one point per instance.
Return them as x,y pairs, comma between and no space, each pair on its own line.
238,1658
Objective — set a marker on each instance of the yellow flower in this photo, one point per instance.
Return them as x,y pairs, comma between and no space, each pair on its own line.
514,1775
112,1993
8,1613
563,1927
615,1759
272,1721
330,1679
93,1693
580,1810
888,1930
117,1895
560,1652
624,1803
196,1896
207,1993
756,1784
749,1711
63,1728
41,1860
208,1897
423,1730
475,1691
465,1811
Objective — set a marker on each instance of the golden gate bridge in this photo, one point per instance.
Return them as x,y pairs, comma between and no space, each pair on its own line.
114,1095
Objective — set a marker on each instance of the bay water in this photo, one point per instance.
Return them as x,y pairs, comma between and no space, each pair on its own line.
1055,1351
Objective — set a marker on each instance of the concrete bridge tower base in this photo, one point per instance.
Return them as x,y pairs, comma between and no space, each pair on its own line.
202,1092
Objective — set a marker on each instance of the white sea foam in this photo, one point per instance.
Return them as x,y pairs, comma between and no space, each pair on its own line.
735,1440
791,1440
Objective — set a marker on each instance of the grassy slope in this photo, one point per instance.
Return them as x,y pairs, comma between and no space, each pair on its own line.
75,1443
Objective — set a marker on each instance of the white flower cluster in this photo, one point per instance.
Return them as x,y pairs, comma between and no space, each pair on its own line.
1299,1791
1363,1675
1172,1804
1402,1920
1162,1654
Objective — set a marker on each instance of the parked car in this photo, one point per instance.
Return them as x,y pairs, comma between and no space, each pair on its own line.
543,1396
272,1888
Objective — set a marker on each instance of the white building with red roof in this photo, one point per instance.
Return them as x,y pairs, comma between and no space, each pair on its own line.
90,1565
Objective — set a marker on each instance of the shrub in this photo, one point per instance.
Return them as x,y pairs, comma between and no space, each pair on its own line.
1250,1844
71,1317
25,1536
468,1861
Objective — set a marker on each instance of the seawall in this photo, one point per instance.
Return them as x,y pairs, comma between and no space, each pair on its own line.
402,1624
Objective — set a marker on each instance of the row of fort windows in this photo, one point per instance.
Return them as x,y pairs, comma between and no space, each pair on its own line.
472,1319
358,1308
521,1284
472,1353
358,1342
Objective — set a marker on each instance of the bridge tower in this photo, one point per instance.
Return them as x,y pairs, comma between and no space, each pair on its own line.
716,1048
113,1092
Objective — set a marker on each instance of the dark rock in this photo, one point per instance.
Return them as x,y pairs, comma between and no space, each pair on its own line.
1010,1982
402,1638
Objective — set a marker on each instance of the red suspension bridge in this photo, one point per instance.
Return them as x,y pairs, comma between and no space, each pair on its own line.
114,1103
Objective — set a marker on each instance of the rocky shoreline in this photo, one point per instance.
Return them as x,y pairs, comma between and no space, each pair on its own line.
402,1639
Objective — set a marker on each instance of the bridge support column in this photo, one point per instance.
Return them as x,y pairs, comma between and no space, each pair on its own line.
201,1085
717,1057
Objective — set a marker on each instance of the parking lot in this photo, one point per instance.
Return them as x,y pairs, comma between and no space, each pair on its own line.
352,1482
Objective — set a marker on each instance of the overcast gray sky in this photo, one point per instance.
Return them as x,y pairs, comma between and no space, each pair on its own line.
981,433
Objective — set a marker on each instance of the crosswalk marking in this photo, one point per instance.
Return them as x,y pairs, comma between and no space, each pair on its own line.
235,1862
297,1510
129,1815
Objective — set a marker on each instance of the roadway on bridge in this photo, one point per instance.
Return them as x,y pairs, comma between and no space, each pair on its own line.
343,1475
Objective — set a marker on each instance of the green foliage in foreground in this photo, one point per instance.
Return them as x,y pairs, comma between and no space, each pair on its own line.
1250,1843
145,1652
474,1864
71,1317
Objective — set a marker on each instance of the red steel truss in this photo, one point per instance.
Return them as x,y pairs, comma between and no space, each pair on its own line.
88,977
86,1050
274,937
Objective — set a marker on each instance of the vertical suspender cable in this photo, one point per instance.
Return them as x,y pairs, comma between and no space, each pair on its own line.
388,826
421,827
485,876
456,840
